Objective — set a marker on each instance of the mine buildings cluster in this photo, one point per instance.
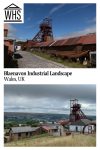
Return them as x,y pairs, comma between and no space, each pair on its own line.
75,49
78,123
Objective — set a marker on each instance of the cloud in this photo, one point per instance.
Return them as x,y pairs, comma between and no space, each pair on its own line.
91,29
55,91
35,25
73,9
56,8
76,8
93,20
88,30
48,98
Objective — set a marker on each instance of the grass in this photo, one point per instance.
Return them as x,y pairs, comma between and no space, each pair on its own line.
78,140
66,62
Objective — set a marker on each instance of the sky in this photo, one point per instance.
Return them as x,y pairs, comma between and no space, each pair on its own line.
67,20
49,98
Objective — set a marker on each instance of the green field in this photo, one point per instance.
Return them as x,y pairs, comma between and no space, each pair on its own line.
78,140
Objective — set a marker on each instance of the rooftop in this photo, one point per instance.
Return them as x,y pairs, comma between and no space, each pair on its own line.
23,129
82,122
50,126
85,39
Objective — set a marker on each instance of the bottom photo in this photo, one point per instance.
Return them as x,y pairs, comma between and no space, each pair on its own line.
50,115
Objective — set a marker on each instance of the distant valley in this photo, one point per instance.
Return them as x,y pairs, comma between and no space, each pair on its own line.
14,116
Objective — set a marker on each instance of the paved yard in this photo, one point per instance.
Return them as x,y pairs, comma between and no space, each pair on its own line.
29,60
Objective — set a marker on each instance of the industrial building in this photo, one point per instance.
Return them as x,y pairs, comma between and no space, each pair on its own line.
83,126
54,129
8,46
73,48
77,123
16,133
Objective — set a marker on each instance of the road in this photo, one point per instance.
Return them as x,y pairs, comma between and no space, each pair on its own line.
28,60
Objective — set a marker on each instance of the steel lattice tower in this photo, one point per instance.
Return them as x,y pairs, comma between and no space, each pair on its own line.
45,34
75,111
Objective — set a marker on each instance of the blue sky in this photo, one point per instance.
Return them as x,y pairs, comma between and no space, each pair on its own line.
67,20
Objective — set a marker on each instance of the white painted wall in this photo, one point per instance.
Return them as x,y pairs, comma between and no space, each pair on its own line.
18,48
59,132
72,128
86,129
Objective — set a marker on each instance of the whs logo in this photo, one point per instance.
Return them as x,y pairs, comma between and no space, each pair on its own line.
13,13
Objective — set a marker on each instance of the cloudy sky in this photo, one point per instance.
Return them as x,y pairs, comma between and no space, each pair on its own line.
67,20
49,98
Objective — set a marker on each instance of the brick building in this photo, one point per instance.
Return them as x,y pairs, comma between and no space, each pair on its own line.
8,46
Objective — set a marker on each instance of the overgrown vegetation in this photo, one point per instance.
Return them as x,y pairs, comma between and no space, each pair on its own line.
49,141
65,62
28,122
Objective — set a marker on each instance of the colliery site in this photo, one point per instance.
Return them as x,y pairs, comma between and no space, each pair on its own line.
43,51
75,124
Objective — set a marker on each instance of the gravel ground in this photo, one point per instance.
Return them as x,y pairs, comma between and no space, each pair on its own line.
29,60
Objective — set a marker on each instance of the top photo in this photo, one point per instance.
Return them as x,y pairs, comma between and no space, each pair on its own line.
61,35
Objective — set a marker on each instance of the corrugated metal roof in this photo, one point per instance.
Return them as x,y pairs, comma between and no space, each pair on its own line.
36,45
88,39
64,122
50,126
72,41
46,128
23,129
85,39
30,43
52,43
44,44
93,122
82,122
59,42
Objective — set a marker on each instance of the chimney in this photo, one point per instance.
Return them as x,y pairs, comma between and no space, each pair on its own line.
5,32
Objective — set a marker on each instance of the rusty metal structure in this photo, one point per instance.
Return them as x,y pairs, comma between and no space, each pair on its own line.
75,111
76,49
45,34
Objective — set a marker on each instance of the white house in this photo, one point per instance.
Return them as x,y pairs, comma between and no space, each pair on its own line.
82,126
18,47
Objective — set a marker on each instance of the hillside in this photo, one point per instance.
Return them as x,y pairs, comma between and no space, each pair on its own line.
18,117
49,141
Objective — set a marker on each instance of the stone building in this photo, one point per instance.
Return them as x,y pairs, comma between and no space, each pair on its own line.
16,133
54,129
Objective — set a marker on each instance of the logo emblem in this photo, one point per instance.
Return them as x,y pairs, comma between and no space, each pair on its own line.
13,13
